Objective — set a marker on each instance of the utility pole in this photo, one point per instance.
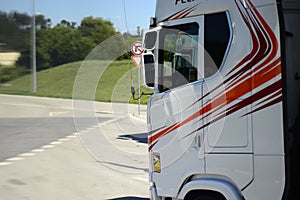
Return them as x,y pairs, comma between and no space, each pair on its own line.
33,50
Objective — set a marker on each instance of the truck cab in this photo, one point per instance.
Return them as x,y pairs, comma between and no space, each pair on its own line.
223,121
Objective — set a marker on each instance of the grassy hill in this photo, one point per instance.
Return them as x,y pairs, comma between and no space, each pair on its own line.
114,84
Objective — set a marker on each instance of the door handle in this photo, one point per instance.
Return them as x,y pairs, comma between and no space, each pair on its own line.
198,141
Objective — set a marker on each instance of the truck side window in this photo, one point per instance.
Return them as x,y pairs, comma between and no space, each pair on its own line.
178,56
217,35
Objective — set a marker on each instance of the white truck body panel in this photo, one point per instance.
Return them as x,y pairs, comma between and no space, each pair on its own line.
228,125
269,176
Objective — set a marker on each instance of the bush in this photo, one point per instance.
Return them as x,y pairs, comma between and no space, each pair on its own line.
8,73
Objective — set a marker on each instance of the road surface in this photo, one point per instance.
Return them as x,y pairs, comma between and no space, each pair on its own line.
49,151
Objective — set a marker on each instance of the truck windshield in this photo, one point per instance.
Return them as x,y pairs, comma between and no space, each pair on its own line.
178,56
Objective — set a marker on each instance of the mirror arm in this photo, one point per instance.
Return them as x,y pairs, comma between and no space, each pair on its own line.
147,94
143,94
132,91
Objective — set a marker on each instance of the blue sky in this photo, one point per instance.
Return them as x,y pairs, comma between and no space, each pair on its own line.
138,11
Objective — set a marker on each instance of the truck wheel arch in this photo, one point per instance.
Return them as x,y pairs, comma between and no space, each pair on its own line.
213,185
204,195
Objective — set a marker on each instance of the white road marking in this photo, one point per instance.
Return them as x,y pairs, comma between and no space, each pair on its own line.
35,151
27,154
63,139
15,159
36,106
2,164
55,143
143,119
38,150
72,136
52,114
47,146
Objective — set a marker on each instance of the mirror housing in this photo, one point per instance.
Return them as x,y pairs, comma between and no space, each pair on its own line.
148,66
150,40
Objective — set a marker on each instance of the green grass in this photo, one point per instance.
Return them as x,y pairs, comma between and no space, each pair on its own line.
59,82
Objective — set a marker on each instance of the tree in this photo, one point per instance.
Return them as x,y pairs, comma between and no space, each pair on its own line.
42,22
65,42
22,20
96,29
16,33
61,44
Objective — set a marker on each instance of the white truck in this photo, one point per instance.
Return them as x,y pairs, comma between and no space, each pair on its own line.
224,119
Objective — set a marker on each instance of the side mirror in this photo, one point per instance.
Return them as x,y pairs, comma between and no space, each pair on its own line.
148,66
150,40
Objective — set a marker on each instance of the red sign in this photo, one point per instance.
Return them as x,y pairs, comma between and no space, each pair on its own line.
137,60
136,48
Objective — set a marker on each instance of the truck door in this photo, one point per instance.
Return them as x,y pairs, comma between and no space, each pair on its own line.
227,124
175,139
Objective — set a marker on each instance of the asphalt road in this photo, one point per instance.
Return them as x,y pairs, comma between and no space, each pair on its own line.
58,149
